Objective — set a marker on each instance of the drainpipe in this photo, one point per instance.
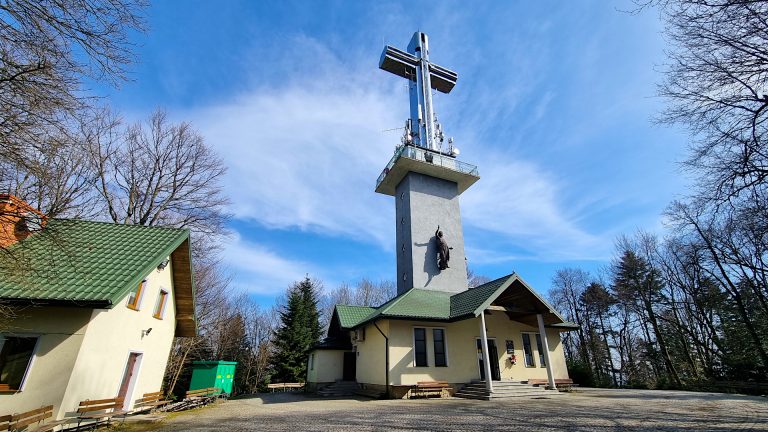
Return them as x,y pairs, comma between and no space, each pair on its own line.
386,356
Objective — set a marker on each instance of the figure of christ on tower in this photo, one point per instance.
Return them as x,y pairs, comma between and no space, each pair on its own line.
426,179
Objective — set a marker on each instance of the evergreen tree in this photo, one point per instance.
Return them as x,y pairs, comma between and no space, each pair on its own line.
299,330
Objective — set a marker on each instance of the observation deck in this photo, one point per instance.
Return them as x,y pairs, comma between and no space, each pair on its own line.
409,158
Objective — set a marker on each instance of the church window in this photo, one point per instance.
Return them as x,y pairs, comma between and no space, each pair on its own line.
134,300
542,362
15,358
438,337
528,350
420,346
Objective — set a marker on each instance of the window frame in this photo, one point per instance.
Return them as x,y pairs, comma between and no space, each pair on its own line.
445,347
160,305
530,347
139,295
540,349
30,362
426,348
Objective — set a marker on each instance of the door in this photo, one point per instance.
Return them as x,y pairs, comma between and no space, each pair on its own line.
350,366
493,353
129,378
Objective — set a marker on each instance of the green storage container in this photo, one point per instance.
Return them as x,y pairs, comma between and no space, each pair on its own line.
220,374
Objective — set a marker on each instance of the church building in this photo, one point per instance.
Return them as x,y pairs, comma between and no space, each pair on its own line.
437,328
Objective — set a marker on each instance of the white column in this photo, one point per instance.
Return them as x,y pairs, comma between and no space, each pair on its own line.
486,357
545,347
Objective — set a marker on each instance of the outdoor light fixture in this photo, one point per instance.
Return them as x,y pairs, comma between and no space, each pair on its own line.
163,264
146,332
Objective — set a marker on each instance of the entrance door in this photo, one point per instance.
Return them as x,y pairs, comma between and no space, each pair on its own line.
129,378
350,366
493,353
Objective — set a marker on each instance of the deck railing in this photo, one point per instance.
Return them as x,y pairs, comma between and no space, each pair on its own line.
423,155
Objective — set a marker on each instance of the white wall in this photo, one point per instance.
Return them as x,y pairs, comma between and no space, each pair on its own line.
327,367
462,351
61,332
112,335
82,353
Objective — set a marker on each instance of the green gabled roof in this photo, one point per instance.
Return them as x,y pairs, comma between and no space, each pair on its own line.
467,302
350,316
83,262
421,304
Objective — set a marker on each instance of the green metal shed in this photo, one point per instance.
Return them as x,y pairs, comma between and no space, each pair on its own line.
220,374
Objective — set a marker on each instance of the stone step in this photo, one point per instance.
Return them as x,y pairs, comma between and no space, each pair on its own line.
373,394
504,390
339,388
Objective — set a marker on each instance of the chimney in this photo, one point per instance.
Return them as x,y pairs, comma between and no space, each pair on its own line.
18,220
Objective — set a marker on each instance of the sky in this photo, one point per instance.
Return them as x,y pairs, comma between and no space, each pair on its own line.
555,103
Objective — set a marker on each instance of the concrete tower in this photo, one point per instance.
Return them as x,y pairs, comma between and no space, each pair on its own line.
425,178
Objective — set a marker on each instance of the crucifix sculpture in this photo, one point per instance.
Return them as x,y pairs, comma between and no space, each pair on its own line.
422,129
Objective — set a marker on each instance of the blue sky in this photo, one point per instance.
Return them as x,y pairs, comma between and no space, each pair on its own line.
555,104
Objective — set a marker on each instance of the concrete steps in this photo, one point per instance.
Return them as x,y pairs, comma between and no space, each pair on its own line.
505,390
339,388
371,393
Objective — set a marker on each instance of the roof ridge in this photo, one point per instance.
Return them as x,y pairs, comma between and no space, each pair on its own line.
394,301
137,226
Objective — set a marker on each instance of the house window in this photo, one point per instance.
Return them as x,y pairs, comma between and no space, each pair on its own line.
420,346
438,336
15,357
162,299
134,300
541,351
527,350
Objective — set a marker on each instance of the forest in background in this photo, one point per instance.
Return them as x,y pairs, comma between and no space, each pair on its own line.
688,307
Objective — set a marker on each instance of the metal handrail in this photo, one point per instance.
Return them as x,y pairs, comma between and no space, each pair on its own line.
426,156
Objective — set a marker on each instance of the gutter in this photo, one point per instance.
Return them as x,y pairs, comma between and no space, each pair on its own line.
386,356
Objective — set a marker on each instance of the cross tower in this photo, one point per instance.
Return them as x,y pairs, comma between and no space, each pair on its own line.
426,179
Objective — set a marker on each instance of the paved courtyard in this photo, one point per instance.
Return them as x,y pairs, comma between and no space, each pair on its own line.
585,410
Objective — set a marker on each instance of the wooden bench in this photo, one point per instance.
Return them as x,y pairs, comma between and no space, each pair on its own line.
285,386
563,384
99,409
22,421
150,401
428,388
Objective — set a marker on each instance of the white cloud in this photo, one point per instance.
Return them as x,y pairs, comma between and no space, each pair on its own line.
520,200
305,155
259,270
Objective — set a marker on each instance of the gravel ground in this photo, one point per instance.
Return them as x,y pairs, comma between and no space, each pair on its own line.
585,410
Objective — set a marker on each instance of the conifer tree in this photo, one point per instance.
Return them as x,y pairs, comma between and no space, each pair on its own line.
299,330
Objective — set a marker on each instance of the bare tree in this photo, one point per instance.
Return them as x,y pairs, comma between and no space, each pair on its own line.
717,85
158,173
46,49
475,280
55,179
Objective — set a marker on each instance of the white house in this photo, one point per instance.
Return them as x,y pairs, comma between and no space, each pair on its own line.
95,307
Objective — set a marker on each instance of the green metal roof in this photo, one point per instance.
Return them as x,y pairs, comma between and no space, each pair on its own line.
350,316
83,262
421,304
467,302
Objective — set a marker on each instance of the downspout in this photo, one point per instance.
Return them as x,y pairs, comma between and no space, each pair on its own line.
386,356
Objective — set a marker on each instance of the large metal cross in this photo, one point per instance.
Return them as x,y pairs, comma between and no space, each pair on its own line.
423,128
